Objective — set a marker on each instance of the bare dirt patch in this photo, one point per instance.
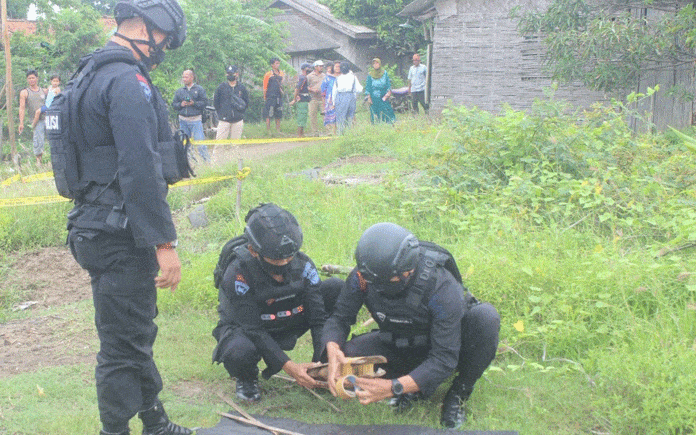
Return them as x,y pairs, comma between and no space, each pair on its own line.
357,160
226,153
51,278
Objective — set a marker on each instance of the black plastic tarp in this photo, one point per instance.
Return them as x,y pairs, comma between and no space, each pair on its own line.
229,427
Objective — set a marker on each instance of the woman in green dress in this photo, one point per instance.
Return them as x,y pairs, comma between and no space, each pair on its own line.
378,90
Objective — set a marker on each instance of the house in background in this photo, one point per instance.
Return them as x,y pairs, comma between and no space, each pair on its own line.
314,33
476,57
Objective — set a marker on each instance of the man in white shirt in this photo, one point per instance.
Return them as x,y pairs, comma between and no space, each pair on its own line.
417,75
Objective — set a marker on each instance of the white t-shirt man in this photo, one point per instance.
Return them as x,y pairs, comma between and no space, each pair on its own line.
416,74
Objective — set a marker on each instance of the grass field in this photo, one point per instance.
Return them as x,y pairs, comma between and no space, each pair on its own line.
577,231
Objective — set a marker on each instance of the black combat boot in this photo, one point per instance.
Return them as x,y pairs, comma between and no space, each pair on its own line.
453,414
248,389
156,422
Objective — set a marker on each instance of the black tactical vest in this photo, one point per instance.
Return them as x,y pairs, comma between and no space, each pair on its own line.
281,304
404,320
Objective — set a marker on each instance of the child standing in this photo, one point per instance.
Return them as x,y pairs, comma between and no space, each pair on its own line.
50,95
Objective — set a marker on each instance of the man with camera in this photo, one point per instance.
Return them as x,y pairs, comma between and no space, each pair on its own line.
190,101
231,100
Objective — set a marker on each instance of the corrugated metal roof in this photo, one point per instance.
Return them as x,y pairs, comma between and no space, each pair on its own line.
321,13
416,7
303,36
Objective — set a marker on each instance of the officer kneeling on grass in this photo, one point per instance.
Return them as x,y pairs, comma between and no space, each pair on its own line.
270,295
429,325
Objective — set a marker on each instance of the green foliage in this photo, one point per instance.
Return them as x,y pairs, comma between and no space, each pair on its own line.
221,33
17,9
22,228
396,80
561,169
560,219
380,15
606,45
74,32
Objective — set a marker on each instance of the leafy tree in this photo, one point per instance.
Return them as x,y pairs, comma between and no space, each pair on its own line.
104,7
73,32
220,33
607,44
380,15
17,9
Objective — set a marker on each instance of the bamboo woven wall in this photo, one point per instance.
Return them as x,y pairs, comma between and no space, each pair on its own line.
479,59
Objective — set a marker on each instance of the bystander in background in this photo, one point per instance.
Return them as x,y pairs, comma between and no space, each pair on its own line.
190,102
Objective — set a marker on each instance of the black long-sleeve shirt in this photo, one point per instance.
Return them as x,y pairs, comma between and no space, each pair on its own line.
122,109
195,93
223,101
245,294
445,307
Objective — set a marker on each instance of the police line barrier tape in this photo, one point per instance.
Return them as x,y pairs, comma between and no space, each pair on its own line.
32,200
49,175
259,141
50,199
28,179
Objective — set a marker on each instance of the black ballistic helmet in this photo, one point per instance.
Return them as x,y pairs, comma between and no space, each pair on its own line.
273,232
386,250
165,15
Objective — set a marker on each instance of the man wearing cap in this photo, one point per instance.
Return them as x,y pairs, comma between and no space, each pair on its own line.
190,101
302,98
121,229
270,295
231,100
314,80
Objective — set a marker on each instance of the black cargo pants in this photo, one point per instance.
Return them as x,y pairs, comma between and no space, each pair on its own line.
480,330
125,299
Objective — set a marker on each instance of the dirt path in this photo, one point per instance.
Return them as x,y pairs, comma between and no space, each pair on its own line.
50,278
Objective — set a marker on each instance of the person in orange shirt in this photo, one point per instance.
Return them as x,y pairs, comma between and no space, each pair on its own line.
273,94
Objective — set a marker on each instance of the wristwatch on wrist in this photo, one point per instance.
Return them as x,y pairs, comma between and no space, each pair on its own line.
397,389
168,245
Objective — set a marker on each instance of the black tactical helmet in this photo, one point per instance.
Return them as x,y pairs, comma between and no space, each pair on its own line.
273,232
386,250
165,15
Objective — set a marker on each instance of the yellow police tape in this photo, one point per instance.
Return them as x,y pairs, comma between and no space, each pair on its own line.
49,175
259,141
28,179
34,200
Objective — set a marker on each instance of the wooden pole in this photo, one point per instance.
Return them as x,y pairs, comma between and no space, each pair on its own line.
239,192
8,82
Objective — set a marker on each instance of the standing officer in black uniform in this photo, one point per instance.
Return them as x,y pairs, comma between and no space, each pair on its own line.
429,326
270,295
121,229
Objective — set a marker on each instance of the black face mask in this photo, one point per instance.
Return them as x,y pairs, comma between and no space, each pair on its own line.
273,269
231,77
391,288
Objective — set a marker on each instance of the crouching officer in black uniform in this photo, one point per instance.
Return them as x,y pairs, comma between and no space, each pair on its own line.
429,326
270,295
121,229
